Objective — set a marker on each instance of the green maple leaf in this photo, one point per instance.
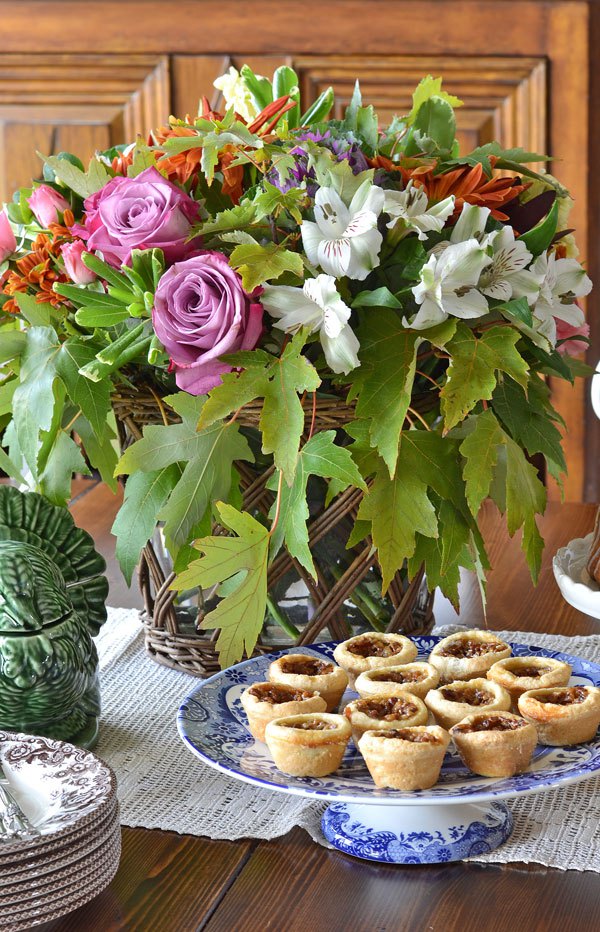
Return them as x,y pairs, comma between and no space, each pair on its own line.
63,460
34,399
530,421
206,457
471,375
426,88
525,497
318,457
240,614
145,494
383,383
397,510
270,201
282,417
258,263
480,450
236,389
93,398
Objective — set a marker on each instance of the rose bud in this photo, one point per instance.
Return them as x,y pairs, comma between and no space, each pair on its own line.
72,254
46,204
8,243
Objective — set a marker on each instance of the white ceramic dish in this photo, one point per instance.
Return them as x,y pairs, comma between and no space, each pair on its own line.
575,583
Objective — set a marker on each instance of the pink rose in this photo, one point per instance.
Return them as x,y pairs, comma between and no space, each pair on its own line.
46,203
568,332
200,313
8,243
72,254
146,212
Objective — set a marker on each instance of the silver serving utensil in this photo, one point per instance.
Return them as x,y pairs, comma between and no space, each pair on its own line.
14,824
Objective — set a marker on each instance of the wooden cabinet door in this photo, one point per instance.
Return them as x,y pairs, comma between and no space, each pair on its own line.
78,76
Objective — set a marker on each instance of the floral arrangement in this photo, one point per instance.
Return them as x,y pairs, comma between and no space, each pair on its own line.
268,255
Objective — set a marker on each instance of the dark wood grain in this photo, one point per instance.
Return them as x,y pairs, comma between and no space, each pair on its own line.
166,883
172,883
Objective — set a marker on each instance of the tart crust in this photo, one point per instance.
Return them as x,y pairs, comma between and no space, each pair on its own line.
309,745
415,678
312,674
263,702
373,651
467,654
385,713
563,715
405,758
520,674
494,744
451,703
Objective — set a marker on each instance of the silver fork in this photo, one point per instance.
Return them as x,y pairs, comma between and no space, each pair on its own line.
14,824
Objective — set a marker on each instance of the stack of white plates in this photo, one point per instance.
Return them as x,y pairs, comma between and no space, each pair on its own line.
70,796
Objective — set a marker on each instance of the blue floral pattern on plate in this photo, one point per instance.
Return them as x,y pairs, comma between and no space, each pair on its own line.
212,723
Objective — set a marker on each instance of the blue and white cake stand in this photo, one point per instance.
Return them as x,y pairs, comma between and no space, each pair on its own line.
461,816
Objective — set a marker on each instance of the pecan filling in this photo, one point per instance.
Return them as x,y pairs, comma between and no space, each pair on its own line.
518,668
568,695
305,666
469,694
276,693
411,676
389,709
471,648
313,724
373,647
407,734
491,724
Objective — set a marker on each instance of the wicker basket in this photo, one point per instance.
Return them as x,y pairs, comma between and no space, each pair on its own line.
175,642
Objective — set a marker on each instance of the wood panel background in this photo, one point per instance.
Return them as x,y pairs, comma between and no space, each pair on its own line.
80,76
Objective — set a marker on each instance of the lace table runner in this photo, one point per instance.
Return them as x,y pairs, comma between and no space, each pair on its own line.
161,785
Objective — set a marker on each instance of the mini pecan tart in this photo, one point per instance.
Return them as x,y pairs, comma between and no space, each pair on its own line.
309,745
310,673
494,744
263,702
405,758
415,678
373,651
451,703
468,654
563,715
520,674
383,712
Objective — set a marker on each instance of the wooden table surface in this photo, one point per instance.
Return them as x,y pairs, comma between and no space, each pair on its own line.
180,883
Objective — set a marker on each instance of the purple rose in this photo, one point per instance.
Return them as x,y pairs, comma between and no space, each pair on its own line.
201,312
146,212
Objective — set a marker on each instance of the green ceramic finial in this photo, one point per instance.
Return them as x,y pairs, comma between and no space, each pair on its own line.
52,600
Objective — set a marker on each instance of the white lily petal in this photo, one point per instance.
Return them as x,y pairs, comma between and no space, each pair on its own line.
292,307
323,292
364,254
341,351
331,214
525,285
311,237
360,223
500,290
470,224
429,315
571,278
467,306
333,255
570,313
547,328
368,197
461,264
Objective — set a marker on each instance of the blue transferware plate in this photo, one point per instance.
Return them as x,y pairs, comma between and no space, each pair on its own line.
212,723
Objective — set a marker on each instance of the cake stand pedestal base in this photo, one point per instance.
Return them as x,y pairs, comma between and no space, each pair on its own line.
416,834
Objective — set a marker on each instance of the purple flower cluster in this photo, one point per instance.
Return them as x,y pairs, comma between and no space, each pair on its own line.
342,148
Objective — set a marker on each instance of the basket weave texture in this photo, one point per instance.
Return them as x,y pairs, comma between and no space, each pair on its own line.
171,643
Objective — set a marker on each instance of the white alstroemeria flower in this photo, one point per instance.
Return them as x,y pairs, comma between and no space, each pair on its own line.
236,94
344,240
319,306
448,285
409,207
470,225
562,280
507,276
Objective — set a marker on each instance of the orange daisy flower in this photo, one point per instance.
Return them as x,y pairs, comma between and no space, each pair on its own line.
37,272
469,184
